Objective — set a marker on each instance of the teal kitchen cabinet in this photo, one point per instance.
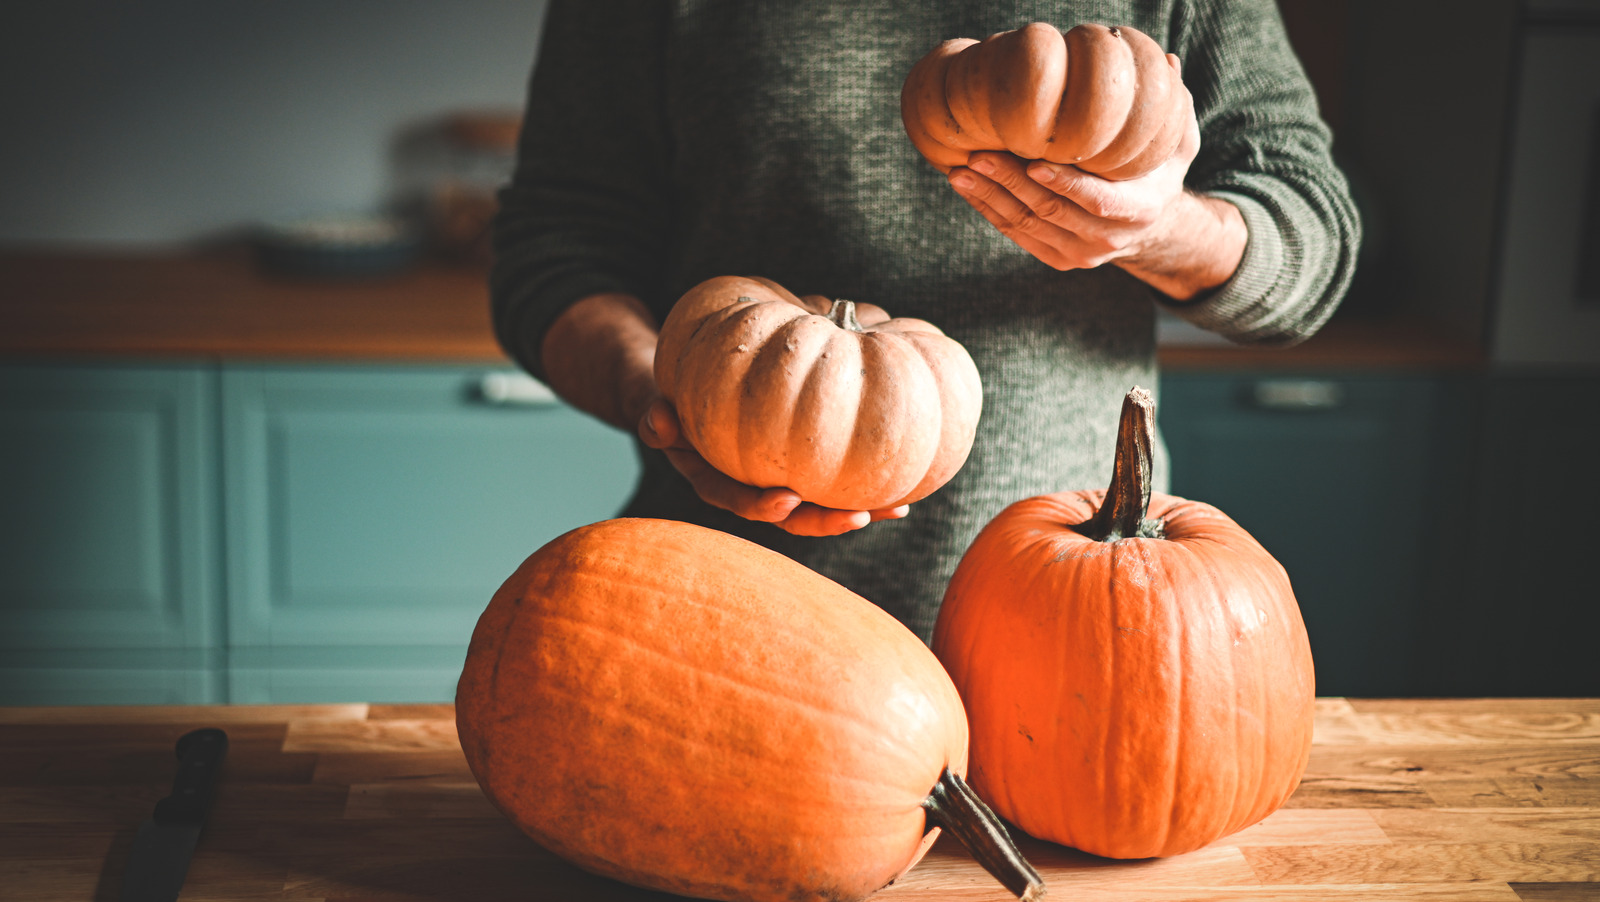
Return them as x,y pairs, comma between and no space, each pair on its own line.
109,534
1340,478
1518,609
372,512
204,532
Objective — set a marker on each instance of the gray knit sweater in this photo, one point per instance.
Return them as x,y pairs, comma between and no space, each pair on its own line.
668,142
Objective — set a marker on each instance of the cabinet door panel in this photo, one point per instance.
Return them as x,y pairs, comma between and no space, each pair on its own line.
1520,613
107,481
1332,476
383,506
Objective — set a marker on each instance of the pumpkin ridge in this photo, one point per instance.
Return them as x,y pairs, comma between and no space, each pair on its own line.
863,448
1264,757
796,790
1238,810
1202,572
958,659
1145,117
1066,614
864,724
1270,791
922,445
810,642
953,431
816,402
872,618
669,378
1262,741
709,428
1113,731
1182,692
1130,734
966,97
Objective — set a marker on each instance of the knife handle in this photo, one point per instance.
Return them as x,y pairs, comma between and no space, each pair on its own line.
200,753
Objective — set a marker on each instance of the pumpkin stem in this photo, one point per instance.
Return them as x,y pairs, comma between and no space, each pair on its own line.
1122,513
843,315
954,806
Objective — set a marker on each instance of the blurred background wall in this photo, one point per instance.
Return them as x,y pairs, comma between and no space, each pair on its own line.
165,121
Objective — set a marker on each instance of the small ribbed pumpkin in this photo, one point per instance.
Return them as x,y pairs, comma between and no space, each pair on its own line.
848,408
1135,669
683,710
1104,99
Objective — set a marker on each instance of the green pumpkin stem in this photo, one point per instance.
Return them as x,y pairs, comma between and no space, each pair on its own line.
843,315
954,806
1122,513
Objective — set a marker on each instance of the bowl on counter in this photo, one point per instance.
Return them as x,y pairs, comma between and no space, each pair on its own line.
338,246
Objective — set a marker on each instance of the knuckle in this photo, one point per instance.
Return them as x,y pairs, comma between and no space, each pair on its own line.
1052,207
1008,228
1100,206
1029,225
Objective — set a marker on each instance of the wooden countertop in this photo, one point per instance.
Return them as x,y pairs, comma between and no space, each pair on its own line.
1458,800
219,304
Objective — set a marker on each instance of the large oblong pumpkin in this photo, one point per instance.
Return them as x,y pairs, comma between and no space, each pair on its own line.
1135,669
683,710
837,401
1104,99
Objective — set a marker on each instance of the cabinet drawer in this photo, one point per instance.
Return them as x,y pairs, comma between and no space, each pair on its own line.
382,507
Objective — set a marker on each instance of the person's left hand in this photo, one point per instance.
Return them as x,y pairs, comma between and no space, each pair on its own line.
660,428
1072,219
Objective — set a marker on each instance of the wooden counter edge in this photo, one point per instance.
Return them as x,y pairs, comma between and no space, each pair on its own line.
219,304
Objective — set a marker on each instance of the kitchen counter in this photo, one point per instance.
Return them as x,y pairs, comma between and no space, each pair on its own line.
1461,800
220,304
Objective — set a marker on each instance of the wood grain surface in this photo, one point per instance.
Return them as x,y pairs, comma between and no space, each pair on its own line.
1495,800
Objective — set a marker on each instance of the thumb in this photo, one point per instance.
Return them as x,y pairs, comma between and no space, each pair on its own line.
659,427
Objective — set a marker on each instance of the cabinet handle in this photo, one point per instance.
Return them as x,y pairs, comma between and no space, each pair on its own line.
515,390
1297,394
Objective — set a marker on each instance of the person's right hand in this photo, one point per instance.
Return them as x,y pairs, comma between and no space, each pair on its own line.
659,428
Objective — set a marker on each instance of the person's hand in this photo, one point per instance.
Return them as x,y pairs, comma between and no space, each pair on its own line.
1072,219
659,428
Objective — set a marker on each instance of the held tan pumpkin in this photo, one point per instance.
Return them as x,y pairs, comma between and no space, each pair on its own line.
1135,670
1104,99
836,401
687,711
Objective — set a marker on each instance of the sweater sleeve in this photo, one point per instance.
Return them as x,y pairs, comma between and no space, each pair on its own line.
1265,149
586,209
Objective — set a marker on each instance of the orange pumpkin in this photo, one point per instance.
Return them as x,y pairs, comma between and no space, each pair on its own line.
687,711
1135,670
836,401
1104,99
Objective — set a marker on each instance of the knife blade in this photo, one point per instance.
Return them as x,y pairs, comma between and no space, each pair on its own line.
165,842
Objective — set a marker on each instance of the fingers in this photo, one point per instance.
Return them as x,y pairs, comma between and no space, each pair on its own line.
719,490
1095,196
659,428
1046,224
1002,182
1024,236
1015,219
811,520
